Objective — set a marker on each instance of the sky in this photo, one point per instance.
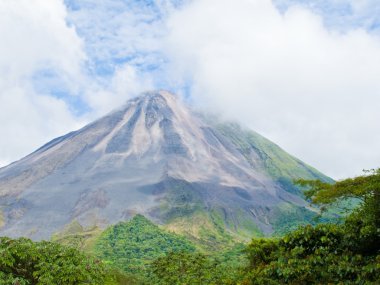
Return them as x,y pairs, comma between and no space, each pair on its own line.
303,73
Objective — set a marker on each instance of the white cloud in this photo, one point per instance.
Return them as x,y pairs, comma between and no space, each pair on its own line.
39,39
313,91
124,84
34,37
120,30
341,14
292,76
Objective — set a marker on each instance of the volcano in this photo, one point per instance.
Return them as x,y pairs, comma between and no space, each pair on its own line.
158,157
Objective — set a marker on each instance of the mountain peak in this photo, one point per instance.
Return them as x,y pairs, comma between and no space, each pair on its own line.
155,157
154,95
147,122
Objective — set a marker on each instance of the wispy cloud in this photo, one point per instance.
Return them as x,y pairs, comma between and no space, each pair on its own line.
341,15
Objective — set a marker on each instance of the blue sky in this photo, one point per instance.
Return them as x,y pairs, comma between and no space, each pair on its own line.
301,72
119,32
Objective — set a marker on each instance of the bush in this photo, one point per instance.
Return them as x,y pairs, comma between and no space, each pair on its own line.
322,254
191,268
23,261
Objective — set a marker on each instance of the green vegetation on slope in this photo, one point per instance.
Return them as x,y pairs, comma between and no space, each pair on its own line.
287,218
207,230
141,248
261,152
181,200
75,235
133,245
184,212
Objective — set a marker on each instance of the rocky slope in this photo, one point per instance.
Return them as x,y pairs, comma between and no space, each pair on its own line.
157,157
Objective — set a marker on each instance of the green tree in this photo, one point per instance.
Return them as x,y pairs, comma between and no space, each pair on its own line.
133,245
365,188
363,225
311,255
347,253
181,268
23,261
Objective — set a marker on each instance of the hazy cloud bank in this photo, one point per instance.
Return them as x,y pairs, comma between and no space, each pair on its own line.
315,91
302,73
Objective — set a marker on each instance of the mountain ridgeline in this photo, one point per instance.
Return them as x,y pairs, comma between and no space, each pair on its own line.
157,157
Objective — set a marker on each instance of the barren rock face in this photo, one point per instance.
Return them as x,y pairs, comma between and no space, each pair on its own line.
154,156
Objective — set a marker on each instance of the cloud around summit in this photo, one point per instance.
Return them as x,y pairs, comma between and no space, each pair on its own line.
313,90
302,73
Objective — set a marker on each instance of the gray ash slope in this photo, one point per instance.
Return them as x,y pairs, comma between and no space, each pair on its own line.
157,157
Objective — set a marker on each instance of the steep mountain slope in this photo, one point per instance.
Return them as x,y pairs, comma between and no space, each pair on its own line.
157,157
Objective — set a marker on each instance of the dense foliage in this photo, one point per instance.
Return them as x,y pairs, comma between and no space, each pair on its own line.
362,227
191,268
312,255
133,245
23,261
348,253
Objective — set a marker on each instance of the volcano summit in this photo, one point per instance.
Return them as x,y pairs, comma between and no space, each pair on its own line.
160,158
